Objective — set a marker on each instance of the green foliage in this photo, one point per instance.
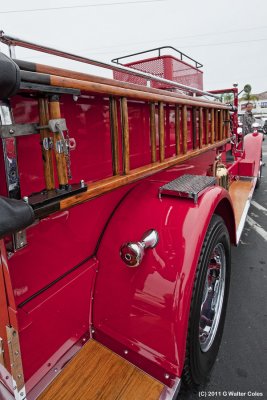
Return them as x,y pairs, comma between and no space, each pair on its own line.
228,97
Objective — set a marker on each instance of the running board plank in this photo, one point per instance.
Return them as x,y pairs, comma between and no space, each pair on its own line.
96,373
241,192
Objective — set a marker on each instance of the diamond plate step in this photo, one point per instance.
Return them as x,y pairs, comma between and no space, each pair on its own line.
189,186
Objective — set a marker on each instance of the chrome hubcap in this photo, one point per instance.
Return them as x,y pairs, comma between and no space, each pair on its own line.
212,299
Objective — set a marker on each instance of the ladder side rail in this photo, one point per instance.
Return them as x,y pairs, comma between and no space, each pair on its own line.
11,40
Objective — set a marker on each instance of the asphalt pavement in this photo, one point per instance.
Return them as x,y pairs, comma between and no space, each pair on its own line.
240,371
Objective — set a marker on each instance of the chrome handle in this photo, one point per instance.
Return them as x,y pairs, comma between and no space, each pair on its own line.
132,253
61,144
72,144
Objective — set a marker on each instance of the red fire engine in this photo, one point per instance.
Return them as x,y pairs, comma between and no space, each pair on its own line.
120,200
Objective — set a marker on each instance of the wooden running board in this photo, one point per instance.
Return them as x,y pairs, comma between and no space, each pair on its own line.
96,373
241,192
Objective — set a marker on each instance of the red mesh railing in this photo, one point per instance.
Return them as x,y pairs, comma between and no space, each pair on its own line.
167,67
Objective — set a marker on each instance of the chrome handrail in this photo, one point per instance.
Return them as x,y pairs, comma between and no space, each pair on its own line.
11,40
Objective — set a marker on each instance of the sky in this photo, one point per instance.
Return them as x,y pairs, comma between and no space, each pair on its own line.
228,37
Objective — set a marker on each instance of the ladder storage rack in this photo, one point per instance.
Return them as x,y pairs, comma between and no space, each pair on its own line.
198,125
176,128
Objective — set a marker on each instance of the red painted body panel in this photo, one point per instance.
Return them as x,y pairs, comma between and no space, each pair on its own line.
246,167
59,243
247,163
88,122
253,149
54,321
146,308
73,256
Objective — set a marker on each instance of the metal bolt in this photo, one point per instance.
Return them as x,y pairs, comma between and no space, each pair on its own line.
11,131
166,376
128,257
82,183
16,353
92,330
84,339
55,370
75,98
19,376
14,333
26,199
126,352
22,394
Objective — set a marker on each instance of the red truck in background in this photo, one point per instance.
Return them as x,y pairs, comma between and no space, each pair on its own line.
120,200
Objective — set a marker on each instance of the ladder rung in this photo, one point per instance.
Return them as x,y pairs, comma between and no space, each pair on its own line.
125,135
153,132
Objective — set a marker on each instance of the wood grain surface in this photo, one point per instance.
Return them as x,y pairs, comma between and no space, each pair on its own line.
114,133
106,185
221,119
94,87
212,127
216,121
96,373
194,127
125,136
54,109
200,127
161,133
239,193
39,70
184,128
47,154
153,134
177,129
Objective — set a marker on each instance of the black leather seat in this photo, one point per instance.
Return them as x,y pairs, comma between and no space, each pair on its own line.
15,215
9,77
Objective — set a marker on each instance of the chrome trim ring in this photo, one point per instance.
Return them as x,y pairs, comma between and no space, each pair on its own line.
212,299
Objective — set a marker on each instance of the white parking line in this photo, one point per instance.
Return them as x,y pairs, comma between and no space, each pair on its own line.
259,207
257,228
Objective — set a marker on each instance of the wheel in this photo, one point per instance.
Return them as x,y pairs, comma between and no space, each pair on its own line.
259,174
208,304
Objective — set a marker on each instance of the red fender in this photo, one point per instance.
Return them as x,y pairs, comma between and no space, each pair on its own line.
142,313
253,149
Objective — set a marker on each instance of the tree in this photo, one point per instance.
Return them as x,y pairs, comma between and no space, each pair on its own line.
248,96
228,97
